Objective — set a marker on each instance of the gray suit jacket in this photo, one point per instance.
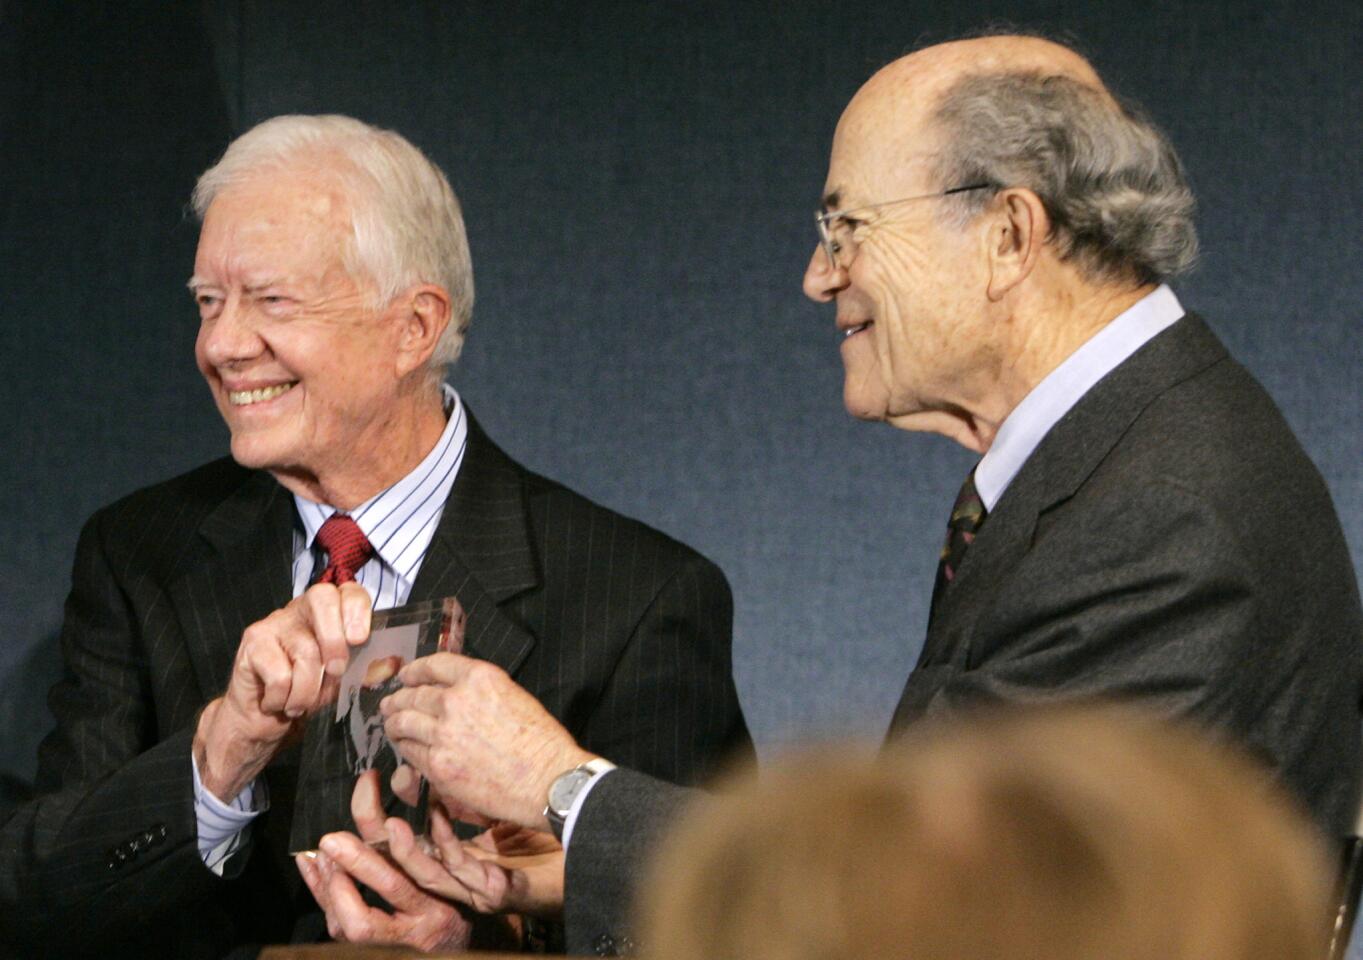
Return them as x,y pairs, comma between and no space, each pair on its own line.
620,631
1168,543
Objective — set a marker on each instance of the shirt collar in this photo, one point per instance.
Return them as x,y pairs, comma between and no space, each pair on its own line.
372,515
1064,386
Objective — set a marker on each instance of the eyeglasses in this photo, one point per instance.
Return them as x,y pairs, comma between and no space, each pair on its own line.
836,226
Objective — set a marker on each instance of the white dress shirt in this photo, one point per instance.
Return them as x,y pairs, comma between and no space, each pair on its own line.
399,522
1066,385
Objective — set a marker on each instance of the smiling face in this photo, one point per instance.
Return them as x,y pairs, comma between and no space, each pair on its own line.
301,365
909,287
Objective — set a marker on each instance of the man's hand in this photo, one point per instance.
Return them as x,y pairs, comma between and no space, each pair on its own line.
525,875
287,666
507,868
418,919
483,742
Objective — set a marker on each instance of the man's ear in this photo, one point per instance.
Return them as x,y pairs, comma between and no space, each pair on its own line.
424,313
1018,227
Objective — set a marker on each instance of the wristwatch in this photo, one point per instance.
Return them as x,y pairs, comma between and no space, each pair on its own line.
566,788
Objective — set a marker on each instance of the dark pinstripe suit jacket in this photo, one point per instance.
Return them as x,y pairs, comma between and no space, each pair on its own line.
1168,542
623,633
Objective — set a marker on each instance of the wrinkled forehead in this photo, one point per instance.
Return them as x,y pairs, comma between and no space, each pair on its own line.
259,230
300,203
884,144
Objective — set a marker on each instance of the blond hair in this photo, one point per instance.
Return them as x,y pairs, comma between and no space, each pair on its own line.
1061,834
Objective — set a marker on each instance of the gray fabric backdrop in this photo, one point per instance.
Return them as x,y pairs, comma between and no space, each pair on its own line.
638,181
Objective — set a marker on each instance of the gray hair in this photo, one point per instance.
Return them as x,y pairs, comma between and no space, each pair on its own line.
406,224
1115,191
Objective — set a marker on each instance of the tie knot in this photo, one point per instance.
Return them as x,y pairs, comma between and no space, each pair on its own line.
347,548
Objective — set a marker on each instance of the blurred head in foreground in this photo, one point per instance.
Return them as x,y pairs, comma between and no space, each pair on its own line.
1058,834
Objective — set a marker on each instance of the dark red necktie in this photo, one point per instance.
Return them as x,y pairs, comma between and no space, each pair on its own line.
347,549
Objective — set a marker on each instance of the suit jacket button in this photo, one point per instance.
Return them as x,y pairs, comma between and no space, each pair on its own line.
160,829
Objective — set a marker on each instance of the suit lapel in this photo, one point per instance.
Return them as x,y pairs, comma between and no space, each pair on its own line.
482,552
245,577
1064,459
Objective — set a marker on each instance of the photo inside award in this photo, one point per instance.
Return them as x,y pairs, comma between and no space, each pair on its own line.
348,740
397,636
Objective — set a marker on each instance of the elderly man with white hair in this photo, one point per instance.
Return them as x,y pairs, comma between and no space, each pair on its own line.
995,236
211,616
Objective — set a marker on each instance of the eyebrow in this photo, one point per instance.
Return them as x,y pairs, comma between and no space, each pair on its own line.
195,282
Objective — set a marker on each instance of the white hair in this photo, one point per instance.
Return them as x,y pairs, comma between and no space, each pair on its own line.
1114,188
405,220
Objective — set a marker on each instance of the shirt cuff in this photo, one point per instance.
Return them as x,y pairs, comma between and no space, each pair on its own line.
222,826
578,801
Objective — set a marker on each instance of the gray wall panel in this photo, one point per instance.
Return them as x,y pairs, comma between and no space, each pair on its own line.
638,181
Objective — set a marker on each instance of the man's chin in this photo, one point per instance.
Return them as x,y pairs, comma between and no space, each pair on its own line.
254,454
862,407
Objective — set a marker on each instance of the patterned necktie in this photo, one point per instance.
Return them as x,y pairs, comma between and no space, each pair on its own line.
967,516
347,549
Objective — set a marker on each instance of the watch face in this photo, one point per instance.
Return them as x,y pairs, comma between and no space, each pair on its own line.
566,788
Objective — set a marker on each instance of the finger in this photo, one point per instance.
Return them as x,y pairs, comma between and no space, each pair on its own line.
442,834
356,609
366,807
397,700
441,668
273,668
406,785
306,681
411,725
320,609
424,699
458,875
491,842
505,835
425,870
373,870
312,876
484,880
350,918
331,688
325,869
416,753
431,701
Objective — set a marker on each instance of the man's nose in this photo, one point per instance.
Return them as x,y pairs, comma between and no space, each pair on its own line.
231,336
823,281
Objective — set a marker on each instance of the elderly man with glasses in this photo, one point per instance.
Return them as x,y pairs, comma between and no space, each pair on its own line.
996,234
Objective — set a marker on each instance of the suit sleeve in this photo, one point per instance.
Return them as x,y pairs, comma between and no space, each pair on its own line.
113,822
669,715
622,822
